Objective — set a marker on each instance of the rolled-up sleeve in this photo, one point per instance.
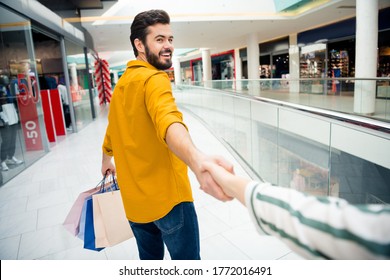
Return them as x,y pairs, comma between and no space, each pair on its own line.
161,104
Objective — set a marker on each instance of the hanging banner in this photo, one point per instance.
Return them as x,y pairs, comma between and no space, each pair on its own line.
27,99
103,81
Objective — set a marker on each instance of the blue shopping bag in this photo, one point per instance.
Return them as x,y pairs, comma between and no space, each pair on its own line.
89,231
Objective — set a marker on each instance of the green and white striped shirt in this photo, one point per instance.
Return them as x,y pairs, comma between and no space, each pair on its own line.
320,227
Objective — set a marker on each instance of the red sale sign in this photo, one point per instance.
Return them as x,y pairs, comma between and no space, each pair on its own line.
27,99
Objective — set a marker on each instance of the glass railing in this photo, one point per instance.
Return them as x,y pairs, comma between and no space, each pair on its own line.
307,151
369,98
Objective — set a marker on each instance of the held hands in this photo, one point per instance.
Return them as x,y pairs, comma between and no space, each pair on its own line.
207,183
230,184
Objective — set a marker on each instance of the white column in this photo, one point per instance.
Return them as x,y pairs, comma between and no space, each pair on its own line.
206,62
237,69
293,54
253,55
366,55
177,70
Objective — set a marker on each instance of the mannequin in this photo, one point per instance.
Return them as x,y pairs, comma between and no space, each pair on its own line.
8,127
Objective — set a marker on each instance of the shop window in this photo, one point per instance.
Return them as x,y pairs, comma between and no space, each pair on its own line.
23,137
384,54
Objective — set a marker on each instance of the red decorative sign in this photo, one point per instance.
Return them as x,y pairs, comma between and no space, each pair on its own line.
103,81
27,99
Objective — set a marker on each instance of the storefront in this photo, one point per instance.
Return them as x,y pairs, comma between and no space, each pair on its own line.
330,51
186,72
274,59
33,115
312,64
222,67
384,54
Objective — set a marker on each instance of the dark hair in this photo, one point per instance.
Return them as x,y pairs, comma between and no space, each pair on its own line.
141,22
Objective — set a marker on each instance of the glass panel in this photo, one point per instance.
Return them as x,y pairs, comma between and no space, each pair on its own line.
23,136
79,84
265,151
241,129
360,181
197,71
303,164
93,92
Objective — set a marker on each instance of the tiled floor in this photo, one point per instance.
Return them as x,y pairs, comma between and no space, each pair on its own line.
34,204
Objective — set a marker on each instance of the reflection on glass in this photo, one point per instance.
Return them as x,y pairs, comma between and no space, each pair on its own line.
79,84
304,165
95,98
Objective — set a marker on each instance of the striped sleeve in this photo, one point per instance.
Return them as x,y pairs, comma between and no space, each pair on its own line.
320,227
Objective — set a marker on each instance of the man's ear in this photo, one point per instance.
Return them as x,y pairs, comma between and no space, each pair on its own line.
139,45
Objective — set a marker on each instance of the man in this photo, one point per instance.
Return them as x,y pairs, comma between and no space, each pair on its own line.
152,148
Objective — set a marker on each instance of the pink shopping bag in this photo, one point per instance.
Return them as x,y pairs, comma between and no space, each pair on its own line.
72,220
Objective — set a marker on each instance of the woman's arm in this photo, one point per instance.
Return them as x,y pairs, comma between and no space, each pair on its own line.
314,227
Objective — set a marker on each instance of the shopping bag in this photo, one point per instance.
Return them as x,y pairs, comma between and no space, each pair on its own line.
89,232
110,222
10,112
72,220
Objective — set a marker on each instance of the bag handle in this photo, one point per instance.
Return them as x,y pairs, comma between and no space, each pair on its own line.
113,186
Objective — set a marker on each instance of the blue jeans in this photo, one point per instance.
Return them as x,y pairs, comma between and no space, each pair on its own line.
178,230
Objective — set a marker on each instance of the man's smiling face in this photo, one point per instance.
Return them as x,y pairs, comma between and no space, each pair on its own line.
159,46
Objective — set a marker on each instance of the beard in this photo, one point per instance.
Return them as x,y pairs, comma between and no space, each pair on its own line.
154,59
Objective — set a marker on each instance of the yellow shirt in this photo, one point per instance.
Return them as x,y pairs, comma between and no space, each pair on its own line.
151,178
